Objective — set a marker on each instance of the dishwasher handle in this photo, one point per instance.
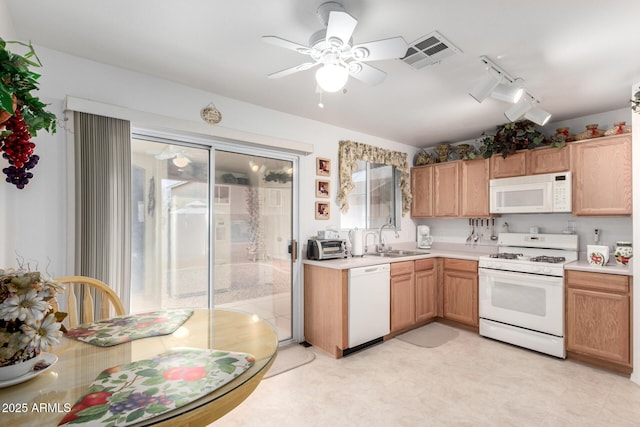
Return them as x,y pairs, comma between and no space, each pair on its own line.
372,269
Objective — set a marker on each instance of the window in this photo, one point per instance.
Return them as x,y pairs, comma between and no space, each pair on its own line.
376,198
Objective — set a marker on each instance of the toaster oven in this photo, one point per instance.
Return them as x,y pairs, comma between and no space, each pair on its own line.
320,249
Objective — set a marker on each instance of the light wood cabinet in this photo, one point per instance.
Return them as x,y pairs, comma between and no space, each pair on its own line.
402,295
446,189
513,165
426,283
474,188
326,308
460,291
451,190
599,318
548,160
602,176
531,162
422,192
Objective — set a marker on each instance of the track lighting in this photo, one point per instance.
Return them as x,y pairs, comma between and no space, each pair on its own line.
518,110
500,85
483,89
538,116
507,93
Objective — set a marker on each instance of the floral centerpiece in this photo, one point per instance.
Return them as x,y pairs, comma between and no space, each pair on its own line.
28,324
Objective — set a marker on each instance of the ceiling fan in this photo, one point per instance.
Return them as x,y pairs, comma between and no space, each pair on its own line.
333,49
178,156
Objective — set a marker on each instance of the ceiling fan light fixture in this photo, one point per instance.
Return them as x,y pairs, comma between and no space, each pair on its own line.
181,161
538,116
507,92
332,77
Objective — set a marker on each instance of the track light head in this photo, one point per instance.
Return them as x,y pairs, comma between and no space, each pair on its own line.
518,110
508,92
483,89
538,116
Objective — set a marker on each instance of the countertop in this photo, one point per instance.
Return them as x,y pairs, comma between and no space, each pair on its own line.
459,251
611,268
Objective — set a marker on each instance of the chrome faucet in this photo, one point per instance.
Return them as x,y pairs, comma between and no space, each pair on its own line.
380,246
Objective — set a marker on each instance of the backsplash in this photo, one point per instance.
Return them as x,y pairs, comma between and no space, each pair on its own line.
611,229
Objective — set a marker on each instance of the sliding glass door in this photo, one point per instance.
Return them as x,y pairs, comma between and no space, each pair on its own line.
253,217
212,228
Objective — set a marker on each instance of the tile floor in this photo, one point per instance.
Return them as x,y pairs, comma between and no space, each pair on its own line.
469,381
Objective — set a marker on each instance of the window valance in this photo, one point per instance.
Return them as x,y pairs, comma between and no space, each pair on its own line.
350,152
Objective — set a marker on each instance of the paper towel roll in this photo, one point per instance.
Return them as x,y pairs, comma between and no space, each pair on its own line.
357,242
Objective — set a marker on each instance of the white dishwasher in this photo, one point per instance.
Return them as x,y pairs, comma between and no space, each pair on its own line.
369,303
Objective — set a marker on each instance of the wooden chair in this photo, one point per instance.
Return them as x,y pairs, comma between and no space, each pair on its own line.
91,291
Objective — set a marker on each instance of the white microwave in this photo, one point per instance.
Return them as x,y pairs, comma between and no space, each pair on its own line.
531,194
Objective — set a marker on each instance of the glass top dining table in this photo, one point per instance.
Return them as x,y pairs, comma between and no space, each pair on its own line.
45,399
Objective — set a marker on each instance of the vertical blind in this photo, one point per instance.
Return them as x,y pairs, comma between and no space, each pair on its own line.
103,200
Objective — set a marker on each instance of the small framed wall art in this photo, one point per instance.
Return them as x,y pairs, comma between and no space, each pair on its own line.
322,210
323,166
322,188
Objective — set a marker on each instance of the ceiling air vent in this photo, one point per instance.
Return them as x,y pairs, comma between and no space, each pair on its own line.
429,50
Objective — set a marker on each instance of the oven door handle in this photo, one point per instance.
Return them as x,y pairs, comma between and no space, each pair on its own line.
551,280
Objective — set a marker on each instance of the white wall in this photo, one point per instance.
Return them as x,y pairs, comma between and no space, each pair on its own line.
36,225
611,229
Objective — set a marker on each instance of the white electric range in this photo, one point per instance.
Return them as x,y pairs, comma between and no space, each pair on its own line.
521,290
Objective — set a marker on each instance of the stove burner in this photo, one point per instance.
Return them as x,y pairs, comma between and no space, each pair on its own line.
505,255
549,259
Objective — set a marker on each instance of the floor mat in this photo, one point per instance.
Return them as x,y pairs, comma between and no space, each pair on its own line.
431,335
290,357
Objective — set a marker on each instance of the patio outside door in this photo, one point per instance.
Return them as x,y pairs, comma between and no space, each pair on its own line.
212,228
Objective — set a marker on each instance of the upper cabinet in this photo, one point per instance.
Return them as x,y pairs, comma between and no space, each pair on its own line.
506,167
548,160
602,176
446,183
531,162
422,192
474,188
452,189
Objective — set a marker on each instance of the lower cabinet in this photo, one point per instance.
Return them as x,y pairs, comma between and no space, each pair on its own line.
599,318
402,295
460,291
426,279
326,308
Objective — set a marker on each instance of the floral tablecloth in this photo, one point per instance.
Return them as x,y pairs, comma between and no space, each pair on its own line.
121,329
133,392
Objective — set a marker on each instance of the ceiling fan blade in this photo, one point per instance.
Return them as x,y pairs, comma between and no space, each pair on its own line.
340,26
292,70
366,73
280,42
378,50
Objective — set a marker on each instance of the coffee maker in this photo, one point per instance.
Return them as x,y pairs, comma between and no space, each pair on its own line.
424,238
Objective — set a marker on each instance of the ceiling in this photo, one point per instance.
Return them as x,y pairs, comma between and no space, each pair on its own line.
579,57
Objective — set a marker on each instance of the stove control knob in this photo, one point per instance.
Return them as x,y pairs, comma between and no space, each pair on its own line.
546,270
535,269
